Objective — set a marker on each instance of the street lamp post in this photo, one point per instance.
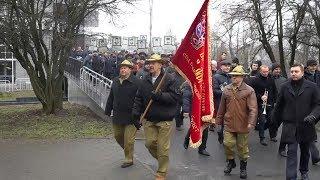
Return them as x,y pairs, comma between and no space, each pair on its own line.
150,26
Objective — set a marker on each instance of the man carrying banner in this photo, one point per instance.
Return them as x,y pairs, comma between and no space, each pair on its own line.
238,110
159,87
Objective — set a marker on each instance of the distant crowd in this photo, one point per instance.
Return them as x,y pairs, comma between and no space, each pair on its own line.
107,63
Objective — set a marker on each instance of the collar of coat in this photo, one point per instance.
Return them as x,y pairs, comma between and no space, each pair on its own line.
149,77
130,78
243,86
305,84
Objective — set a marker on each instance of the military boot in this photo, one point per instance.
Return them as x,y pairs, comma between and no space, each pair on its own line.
243,169
230,165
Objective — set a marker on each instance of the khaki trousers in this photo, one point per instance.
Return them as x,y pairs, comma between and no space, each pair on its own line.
125,136
233,139
158,143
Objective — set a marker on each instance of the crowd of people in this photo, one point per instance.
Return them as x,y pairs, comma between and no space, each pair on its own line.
108,63
262,99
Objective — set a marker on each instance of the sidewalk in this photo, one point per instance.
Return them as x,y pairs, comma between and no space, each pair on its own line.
90,159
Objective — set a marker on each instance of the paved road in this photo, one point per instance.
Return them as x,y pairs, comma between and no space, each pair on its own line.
100,159
264,162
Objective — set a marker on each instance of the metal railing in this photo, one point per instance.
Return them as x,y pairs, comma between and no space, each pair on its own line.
5,86
95,85
21,84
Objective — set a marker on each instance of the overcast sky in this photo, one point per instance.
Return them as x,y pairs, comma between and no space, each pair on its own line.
174,15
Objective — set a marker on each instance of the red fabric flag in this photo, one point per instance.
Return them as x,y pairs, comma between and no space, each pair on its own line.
192,61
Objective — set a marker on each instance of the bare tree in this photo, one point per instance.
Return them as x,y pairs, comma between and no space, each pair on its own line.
314,10
24,24
277,23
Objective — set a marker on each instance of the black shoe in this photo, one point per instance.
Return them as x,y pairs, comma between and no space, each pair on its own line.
304,176
243,169
126,164
220,137
283,153
230,165
263,142
315,161
186,144
273,140
204,152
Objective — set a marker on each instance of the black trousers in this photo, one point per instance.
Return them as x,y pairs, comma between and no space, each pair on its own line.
264,123
179,116
205,134
314,152
292,160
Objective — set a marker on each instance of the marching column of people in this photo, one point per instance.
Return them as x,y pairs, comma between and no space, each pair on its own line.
263,101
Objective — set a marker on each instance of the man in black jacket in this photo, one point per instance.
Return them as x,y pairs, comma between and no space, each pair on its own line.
158,119
266,93
120,100
220,80
298,106
313,75
278,81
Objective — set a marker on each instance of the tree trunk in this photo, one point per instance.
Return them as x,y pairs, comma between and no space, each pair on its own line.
50,96
319,55
280,37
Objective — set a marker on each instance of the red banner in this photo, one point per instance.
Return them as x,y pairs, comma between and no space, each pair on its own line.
192,61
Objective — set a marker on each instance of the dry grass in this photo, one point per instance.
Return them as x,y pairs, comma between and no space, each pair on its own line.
6,96
28,121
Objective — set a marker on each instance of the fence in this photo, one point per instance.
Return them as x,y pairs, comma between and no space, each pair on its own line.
21,84
95,85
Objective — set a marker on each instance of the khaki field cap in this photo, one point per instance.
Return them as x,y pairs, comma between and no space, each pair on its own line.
126,63
238,71
155,58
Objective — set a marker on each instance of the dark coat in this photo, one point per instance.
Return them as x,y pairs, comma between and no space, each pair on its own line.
121,99
186,98
260,84
292,109
218,80
97,63
313,77
278,81
109,67
165,108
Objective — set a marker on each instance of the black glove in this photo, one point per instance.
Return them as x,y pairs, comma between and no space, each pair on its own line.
137,124
220,137
310,119
156,96
136,121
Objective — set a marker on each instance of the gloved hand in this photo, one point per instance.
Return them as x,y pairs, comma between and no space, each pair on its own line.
136,121
155,96
137,124
310,119
220,137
